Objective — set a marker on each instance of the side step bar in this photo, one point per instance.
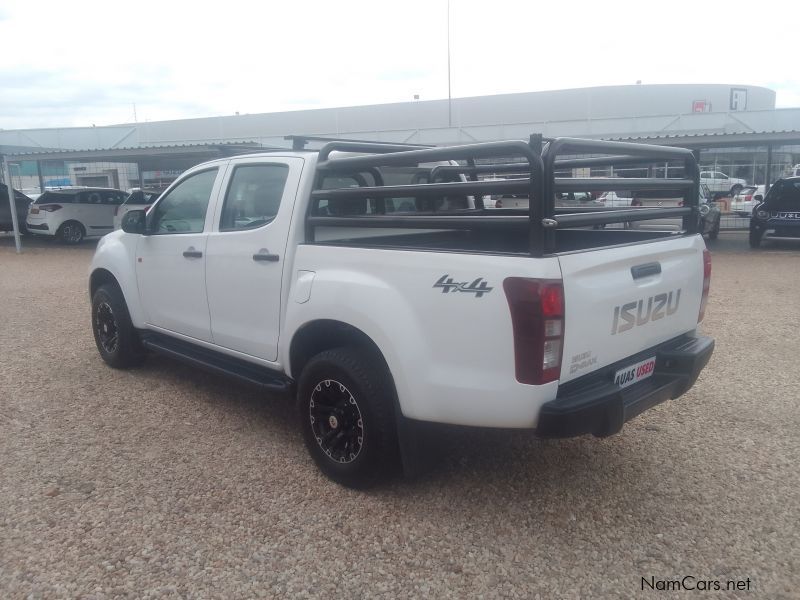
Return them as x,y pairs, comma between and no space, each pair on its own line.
217,362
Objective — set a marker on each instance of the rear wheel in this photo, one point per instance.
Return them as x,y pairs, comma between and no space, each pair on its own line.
114,334
71,232
346,408
755,237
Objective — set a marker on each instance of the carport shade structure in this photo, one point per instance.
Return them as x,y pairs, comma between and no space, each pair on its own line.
178,157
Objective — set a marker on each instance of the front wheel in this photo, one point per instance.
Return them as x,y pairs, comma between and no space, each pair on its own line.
114,334
346,407
714,233
755,238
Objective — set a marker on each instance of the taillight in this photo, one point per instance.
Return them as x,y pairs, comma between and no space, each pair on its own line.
537,320
748,197
706,284
50,207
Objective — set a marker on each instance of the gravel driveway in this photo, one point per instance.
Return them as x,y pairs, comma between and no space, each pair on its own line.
168,482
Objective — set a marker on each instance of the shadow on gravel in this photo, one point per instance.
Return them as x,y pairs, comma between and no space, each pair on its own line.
483,459
274,412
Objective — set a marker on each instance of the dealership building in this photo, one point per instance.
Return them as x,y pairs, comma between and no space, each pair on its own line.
735,129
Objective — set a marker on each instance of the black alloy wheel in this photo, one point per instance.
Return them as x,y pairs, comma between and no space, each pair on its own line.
336,421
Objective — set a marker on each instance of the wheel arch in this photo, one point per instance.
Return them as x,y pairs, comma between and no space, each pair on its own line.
324,334
100,277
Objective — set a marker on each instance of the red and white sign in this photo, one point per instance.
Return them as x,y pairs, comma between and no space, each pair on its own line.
638,372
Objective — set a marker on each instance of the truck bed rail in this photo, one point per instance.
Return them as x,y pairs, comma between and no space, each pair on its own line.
533,168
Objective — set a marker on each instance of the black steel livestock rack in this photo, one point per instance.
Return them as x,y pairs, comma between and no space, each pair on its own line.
539,161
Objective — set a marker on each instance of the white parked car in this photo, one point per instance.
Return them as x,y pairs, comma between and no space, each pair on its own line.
745,200
136,200
719,183
618,199
72,214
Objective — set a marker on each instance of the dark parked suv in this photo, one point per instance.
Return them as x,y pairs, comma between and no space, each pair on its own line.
22,202
778,216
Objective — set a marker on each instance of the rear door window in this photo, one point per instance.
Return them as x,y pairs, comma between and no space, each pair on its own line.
112,197
55,198
254,196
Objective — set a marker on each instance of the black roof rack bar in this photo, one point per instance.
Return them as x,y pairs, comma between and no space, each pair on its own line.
538,179
479,221
599,161
404,191
405,157
520,167
566,145
299,141
572,146
385,155
364,148
488,222
608,184
607,161
616,216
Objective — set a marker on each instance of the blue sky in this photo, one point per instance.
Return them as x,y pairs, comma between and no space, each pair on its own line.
89,62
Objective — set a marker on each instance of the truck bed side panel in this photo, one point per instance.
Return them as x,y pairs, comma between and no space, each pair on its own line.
449,346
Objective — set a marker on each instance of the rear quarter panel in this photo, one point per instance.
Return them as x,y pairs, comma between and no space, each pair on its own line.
450,352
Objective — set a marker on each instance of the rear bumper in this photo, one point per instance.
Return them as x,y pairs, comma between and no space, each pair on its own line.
600,407
37,226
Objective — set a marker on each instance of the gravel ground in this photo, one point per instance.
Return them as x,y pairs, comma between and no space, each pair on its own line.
168,482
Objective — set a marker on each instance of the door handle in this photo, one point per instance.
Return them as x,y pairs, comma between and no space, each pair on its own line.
192,253
645,270
265,256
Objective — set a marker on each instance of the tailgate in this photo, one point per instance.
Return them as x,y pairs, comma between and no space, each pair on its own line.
622,300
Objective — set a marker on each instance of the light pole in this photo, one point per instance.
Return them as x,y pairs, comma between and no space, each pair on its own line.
12,202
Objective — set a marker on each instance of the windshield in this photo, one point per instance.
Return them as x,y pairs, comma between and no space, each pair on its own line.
784,195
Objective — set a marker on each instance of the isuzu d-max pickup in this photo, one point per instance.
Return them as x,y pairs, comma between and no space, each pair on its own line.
369,281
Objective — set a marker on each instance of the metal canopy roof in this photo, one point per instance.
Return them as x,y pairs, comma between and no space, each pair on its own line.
705,140
176,156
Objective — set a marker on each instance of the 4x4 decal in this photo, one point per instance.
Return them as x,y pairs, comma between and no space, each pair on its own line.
479,287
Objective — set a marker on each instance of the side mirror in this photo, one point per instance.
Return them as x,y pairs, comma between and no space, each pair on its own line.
135,221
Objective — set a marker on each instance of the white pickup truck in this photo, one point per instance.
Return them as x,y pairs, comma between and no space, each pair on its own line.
719,183
365,280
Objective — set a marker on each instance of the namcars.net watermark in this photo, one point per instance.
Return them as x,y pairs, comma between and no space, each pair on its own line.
693,583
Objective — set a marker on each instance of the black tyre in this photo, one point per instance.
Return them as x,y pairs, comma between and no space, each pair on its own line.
714,233
71,232
117,341
755,238
345,399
